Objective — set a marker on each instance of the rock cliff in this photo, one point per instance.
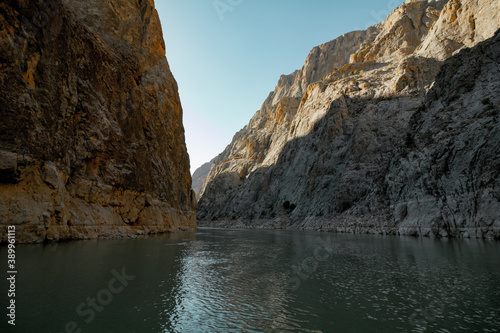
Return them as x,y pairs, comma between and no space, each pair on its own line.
200,176
350,143
91,137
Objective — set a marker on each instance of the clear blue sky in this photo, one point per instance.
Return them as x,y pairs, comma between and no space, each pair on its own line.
227,55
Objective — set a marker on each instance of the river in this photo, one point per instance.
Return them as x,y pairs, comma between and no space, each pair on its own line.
219,280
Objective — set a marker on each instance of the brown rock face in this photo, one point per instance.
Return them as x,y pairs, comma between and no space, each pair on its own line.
91,137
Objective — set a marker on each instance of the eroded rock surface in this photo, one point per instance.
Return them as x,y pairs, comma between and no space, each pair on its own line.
91,137
342,150
200,176
448,177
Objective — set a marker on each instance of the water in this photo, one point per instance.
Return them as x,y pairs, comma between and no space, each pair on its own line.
258,281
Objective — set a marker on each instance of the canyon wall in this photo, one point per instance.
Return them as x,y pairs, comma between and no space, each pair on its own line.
91,138
200,176
368,137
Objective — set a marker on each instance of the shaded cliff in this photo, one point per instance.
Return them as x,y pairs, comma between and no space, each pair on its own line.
448,175
200,176
91,138
326,157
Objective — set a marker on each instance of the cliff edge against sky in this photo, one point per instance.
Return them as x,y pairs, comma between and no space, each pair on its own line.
368,137
91,137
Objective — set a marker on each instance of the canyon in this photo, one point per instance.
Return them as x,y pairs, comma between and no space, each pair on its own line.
391,130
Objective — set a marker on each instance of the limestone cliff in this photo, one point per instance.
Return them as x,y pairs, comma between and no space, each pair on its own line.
331,151
447,178
91,137
200,176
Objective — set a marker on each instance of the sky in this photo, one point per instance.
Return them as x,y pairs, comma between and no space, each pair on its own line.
227,55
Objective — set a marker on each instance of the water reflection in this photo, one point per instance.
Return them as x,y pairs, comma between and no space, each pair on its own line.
231,285
240,281
263,281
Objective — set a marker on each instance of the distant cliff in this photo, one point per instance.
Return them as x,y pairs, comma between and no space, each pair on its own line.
91,137
200,176
366,138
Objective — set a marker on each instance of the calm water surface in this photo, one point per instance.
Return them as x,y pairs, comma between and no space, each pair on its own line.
258,281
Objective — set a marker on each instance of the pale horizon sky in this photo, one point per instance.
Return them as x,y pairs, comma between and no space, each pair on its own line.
227,55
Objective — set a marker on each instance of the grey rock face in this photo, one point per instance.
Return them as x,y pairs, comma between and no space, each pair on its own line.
339,156
448,179
200,176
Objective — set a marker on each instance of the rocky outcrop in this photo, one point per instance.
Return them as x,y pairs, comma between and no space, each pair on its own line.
461,24
447,179
200,176
91,138
333,156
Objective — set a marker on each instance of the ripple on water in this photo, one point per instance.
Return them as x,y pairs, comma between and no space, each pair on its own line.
239,284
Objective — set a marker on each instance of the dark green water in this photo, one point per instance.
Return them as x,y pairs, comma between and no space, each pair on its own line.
257,281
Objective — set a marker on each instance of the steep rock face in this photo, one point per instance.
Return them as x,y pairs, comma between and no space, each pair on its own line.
402,32
325,165
461,24
200,176
268,128
91,138
321,61
448,179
